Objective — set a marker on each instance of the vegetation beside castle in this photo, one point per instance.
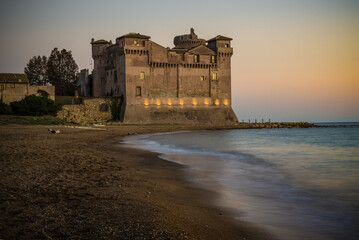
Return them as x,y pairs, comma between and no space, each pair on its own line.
31,105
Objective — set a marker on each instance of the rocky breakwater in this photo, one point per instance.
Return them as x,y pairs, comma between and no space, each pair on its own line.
277,125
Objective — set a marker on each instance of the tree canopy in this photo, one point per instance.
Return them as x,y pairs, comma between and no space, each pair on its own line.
62,72
36,71
59,70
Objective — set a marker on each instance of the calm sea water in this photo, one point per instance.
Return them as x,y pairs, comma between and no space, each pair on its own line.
297,183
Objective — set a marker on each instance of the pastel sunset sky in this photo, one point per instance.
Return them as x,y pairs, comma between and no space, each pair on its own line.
293,60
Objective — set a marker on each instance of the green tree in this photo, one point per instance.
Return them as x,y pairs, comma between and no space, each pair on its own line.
36,71
62,72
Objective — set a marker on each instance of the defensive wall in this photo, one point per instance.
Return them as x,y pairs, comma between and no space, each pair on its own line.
159,110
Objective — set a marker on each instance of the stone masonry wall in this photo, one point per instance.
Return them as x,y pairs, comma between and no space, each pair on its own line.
94,110
97,110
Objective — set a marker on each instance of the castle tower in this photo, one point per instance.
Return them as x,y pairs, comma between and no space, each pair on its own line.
188,41
221,86
99,74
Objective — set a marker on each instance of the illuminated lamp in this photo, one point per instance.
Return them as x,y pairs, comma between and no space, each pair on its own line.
158,102
181,102
194,101
169,102
225,102
146,102
206,101
216,102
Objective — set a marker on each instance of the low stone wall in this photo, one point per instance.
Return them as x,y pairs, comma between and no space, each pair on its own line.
184,115
49,89
97,110
16,91
93,110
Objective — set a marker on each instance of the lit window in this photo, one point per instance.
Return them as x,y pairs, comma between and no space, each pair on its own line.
214,76
138,91
142,75
213,59
135,42
202,78
196,58
226,45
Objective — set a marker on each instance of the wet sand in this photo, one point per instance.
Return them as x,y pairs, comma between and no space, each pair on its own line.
82,184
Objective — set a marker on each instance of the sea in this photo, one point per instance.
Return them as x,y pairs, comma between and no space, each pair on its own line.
300,183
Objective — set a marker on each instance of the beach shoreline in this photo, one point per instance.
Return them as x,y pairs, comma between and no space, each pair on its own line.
83,184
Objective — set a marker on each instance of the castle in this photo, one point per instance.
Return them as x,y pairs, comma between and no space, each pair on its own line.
191,80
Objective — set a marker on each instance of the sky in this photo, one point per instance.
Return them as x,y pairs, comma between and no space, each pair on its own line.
292,61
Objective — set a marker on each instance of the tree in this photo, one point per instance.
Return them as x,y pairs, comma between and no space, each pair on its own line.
36,71
62,72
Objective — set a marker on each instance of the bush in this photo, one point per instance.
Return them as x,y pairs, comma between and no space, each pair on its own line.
35,106
4,108
43,93
116,106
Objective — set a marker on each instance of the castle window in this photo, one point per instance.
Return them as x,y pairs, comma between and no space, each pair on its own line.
202,78
138,91
226,45
196,58
213,59
142,75
135,42
214,76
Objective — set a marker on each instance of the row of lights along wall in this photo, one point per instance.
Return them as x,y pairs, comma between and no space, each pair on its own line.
195,102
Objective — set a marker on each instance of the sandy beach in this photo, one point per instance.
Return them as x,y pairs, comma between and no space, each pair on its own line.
82,184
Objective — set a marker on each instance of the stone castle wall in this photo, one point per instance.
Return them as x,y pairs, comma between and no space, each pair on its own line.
97,110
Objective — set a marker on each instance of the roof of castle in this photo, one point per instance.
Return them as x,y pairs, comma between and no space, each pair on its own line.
101,41
135,35
219,37
201,49
13,78
177,49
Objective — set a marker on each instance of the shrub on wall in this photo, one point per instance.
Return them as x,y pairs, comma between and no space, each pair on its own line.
35,106
116,105
43,93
